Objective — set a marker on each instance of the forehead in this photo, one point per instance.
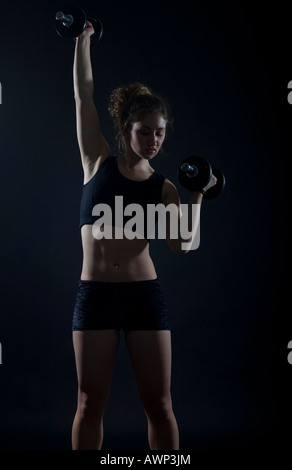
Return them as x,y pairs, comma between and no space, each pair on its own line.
152,121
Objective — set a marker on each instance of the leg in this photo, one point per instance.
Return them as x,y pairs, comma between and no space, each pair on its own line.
95,352
150,352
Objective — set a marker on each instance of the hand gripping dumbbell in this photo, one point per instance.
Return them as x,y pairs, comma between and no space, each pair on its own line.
195,173
70,22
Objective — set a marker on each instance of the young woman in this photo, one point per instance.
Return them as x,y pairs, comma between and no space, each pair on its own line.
119,287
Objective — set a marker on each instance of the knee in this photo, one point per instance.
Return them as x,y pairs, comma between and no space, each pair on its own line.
159,408
91,405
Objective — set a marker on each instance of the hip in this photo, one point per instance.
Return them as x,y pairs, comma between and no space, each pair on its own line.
135,305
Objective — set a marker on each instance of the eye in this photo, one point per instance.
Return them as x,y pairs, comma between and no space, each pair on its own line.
144,133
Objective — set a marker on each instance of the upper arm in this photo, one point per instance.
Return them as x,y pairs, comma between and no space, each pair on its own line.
92,143
170,196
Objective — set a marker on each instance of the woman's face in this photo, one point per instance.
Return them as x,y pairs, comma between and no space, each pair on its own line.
147,135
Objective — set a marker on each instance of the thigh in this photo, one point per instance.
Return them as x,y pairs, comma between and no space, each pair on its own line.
95,352
150,353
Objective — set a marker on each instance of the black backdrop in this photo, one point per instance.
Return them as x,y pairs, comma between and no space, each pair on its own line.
224,67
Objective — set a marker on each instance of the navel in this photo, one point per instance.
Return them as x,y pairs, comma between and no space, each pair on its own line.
116,266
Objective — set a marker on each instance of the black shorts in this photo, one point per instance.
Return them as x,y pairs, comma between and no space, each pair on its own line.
137,305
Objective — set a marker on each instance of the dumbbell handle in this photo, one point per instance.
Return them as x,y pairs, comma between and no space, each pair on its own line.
190,170
67,20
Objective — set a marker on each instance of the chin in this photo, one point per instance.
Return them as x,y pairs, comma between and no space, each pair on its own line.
148,156
145,156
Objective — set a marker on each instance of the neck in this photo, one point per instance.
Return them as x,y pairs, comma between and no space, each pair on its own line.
132,161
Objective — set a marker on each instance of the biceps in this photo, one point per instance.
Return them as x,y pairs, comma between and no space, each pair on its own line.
91,142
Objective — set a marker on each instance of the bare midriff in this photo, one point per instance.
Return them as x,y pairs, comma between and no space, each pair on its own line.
115,260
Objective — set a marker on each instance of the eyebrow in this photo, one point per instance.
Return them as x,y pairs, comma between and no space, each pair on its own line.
150,128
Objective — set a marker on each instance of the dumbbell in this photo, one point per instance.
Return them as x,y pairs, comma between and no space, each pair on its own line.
70,22
195,173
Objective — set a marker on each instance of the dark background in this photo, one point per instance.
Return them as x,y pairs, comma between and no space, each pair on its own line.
224,67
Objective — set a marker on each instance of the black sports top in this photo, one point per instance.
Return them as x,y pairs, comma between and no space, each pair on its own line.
108,182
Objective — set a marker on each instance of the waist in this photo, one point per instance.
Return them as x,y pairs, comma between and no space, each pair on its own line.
120,284
120,260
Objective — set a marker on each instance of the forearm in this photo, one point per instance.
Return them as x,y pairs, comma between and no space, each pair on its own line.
82,70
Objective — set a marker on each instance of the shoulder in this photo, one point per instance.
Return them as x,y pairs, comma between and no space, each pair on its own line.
169,193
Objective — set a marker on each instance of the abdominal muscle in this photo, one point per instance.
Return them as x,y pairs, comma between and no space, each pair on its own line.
115,260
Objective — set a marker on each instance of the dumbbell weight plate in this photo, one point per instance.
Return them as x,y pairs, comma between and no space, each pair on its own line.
78,25
98,29
202,176
219,186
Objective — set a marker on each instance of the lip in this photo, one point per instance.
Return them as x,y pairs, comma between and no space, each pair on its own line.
151,150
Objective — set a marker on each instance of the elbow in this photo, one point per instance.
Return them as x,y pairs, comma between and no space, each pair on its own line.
177,247
82,95
182,252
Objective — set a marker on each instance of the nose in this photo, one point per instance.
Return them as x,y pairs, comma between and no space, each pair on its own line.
152,140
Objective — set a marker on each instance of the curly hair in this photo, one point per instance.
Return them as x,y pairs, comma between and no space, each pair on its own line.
128,103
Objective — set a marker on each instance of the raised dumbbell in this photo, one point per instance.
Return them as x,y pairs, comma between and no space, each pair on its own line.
70,22
195,173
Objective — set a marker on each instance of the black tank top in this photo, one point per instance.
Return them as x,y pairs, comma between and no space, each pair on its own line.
108,182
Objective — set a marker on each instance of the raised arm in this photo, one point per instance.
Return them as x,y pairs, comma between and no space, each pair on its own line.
92,144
